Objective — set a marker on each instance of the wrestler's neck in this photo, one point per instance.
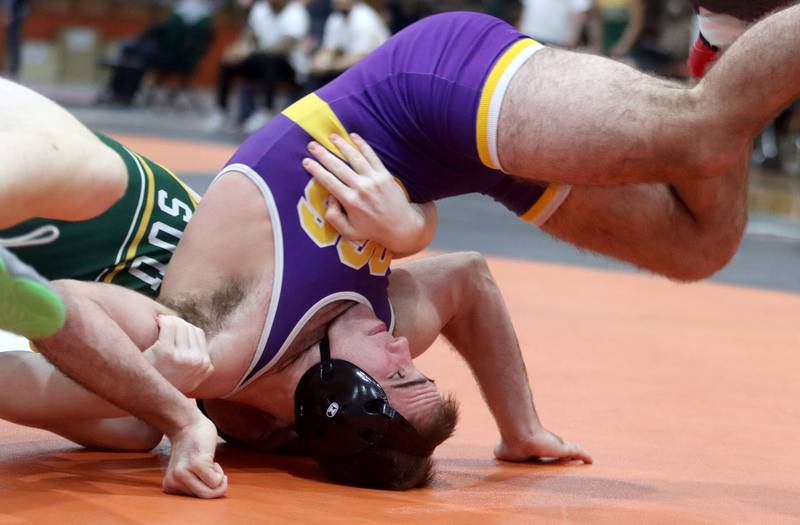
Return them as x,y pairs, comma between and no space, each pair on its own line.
274,392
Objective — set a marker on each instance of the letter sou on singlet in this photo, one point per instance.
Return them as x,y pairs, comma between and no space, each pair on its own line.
131,243
428,102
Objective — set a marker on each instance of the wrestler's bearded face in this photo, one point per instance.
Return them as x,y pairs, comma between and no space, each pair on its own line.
360,337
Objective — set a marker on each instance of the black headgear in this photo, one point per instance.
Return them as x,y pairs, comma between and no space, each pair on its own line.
340,410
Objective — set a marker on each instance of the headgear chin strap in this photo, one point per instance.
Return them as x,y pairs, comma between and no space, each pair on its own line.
340,410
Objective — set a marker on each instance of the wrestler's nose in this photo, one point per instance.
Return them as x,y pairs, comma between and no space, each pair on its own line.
399,347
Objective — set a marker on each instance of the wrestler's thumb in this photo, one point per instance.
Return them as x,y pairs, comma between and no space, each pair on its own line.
336,217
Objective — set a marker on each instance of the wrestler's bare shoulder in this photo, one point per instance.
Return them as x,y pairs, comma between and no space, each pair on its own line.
229,238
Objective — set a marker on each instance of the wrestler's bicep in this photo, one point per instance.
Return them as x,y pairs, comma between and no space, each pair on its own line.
426,294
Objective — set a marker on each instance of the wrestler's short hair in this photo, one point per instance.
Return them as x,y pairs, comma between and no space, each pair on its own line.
382,467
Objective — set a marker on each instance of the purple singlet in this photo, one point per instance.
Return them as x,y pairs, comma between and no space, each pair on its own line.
428,102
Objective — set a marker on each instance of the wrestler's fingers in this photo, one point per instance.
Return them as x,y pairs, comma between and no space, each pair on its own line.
367,151
576,452
182,337
212,475
189,483
166,327
333,164
328,180
198,354
201,339
336,217
354,158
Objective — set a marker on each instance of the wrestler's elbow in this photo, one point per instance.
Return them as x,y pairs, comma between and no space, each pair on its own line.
473,276
76,304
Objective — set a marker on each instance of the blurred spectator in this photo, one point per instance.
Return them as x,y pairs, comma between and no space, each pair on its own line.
352,31
319,11
172,48
508,10
663,45
403,13
616,26
269,52
15,12
556,22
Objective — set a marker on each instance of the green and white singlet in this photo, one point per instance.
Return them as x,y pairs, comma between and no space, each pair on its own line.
131,243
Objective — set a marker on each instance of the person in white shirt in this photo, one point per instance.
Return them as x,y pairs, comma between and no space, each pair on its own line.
556,22
352,31
269,51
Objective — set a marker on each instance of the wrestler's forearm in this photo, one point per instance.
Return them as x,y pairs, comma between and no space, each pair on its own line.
94,351
482,332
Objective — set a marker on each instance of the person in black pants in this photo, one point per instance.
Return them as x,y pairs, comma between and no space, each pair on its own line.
266,55
15,11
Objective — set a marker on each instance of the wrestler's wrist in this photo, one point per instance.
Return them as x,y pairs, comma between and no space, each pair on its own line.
408,238
185,416
520,435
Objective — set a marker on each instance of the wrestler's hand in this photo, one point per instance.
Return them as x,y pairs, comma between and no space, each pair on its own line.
541,445
180,354
367,202
192,470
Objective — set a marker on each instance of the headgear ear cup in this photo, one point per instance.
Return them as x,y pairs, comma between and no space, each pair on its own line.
341,410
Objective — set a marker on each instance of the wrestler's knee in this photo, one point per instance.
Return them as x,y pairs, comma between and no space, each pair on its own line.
712,249
106,179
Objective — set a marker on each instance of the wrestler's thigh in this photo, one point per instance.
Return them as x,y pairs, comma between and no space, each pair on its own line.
123,434
37,394
22,109
50,146
53,166
583,119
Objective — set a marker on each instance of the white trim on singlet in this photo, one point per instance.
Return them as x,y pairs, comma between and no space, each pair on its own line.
277,281
278,284
301,323
499,94
136,216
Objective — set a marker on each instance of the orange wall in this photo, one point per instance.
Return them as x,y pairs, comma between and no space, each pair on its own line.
125,24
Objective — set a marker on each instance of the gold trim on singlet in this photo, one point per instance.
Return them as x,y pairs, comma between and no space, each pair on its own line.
143,222
317,119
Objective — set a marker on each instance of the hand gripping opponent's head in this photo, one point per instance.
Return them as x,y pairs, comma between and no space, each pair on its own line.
356,436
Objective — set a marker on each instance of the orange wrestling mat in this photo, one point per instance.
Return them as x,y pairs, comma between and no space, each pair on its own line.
687,397
180,155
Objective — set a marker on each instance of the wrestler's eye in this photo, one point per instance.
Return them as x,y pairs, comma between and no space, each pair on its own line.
398,375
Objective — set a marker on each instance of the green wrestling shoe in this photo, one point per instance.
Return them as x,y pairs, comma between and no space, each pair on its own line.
29,306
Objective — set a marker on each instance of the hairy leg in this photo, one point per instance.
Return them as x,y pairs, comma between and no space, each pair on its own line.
53,166
37,394
581,119
54,402
121,434
685,231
